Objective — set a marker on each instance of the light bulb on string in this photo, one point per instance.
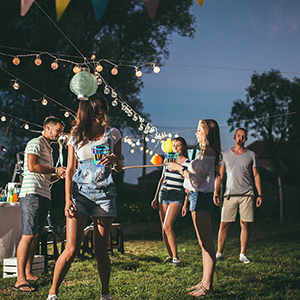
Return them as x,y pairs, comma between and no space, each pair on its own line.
141,148
132,150
54,65
106,90
38,61
147,150
151,152
152,129
138,73
44,101
3,118
93,57
156,69
76,69
176,135
140,128
123,107
146,139
114,70
142,119
16,61
114,103
26,126
16,85
133,144
146,131
99,67
153,140
114,94
135,118
130,113
138,142
66,114
99,81
96,74
170,135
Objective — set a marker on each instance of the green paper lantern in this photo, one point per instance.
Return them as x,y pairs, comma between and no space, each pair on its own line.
83,84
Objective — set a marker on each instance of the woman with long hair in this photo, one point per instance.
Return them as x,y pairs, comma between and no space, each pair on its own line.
200,181
169,197
89,189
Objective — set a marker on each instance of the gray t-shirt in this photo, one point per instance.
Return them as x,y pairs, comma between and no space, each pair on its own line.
239,171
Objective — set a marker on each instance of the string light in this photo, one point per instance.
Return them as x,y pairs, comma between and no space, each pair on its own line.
153,140
66,114
26,126
146,139
132,150
141,148
114,71
114,103
99,81
93,57
16,61
54,65
135,118
3,118
99,68
38,61
16,85
114,94
151,152
147,150
44,101
138,143
138,73
106,90
156,69
176,135
76,69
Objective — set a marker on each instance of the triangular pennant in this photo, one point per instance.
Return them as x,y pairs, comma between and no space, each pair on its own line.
25,5
151,6
61,5
200,2
99,8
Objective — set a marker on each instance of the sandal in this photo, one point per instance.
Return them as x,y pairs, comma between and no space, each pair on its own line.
196,286
205,291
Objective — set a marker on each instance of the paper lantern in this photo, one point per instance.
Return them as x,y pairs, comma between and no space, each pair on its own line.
167,146
83,84
156,159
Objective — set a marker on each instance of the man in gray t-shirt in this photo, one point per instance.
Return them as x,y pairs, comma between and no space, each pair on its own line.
241,166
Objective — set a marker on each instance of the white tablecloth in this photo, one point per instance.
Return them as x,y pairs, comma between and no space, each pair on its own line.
10,229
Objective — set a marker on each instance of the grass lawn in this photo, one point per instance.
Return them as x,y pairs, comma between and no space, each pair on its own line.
139,273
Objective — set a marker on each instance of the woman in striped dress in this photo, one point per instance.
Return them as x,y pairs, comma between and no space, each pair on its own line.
169,198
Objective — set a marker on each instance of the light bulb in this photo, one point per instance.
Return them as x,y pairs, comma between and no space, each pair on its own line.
114,70
151,152
99,68
44,101
16,61
93,57
114,94
138,73
152,129
141,148
135,118
146,139
138,143
133,144
76,69
54,65
16,85
3,118
156,69
123,107
153,140
38,61
142,119
140,128
66,114
170,135
26,126
146,131
147,151
132,150
176,135
99,81
106,90
114,103
130,113
96,74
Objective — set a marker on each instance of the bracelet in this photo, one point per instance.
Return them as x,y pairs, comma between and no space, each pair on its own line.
55,170
260,195
181,172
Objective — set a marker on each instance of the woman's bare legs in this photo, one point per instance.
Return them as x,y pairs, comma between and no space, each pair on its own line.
202,224
168,215
102,228
75,226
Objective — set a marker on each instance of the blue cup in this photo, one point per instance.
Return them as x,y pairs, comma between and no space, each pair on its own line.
99,152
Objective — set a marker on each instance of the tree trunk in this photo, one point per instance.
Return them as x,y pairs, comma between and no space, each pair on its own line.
280,199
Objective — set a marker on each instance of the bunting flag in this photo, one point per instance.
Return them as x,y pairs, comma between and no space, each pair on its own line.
200,2
61,5
151,6
25,5
99,8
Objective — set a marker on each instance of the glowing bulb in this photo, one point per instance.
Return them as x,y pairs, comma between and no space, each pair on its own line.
146,131
44,101
114,94
114,71
66,114
93,56
142,120
132,150
123,107
176,135
106,90
130,113
147,151
138,143
152,129
76,69
38,61
156,69
170,135
153,140
99,81
16,61
135,118
138,73
99,68
3,118
114,103
26,126
140,128
146,139
141,148
133,144
16,85
54,65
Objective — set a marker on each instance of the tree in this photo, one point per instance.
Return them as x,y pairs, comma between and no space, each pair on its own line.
125,33
268,112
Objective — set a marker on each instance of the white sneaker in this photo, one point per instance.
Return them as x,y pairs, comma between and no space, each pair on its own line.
219,255
106,297
176,261
244,259
52,297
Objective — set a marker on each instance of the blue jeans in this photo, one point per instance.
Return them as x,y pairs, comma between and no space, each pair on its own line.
34,210
201,201
170,196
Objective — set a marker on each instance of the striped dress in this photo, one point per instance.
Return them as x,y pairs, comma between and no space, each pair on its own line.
174,180
34,183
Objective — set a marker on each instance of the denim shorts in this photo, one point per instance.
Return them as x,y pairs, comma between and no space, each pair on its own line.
96,203
34,211
171,196
201,201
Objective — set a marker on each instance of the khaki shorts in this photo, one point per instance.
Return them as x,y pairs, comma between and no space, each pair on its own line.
245,203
